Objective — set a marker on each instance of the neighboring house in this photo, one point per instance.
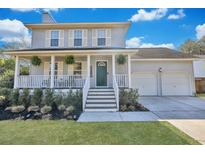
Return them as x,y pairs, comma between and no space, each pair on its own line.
199,74
96,46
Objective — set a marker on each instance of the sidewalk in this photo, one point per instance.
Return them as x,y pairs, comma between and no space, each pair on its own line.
117,116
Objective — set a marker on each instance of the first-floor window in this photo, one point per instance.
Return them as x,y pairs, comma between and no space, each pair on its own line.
77,68
55,69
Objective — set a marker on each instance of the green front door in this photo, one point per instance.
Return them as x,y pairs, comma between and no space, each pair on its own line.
101,73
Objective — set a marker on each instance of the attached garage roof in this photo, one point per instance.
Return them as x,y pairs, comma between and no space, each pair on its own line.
160,53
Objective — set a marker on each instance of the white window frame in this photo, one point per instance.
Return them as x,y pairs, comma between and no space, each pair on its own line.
78,70
99,37
77,38
54,38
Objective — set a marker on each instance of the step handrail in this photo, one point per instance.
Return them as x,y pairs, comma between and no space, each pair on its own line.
116,90
85,91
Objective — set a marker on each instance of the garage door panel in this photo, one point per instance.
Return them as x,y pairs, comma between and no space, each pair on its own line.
175,84
146,83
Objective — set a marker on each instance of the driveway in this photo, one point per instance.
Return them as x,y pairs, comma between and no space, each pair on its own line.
185,113
175,107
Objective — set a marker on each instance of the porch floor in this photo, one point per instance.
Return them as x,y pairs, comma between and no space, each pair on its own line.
117,116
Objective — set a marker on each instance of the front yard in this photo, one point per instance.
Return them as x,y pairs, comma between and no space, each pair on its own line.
71,132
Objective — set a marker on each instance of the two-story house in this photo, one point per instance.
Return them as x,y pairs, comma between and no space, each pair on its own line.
96,49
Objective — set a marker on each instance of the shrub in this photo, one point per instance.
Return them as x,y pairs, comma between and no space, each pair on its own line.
17,109
74,99
48,98
36,61
58,99
123,108
46,109
24,98
128,96
2,100
33,108
7,79
6,92
61,107
15,97
36,98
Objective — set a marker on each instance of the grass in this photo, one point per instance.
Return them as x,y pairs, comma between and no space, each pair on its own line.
71,132
202,95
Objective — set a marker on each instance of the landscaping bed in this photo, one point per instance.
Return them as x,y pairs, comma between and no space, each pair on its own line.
22,105
129,101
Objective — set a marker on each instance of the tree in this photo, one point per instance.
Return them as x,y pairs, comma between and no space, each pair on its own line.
190,46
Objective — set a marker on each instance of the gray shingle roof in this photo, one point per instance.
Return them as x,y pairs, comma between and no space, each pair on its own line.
160,53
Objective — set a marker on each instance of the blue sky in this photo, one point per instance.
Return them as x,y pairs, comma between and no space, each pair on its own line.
150,27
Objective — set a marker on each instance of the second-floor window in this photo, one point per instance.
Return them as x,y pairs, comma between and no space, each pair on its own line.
101,35
78,38
54,38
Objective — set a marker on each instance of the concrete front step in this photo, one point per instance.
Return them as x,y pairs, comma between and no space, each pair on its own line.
101,100
101,97
100,110
101,93
100,90
100,105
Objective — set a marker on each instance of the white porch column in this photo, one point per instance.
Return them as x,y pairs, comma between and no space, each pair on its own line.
129,71
16,72
52,70
113,65
88,66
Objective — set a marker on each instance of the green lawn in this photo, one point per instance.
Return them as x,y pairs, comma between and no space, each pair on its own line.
201,95
70,132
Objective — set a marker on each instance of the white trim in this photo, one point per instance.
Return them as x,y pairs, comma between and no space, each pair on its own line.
16,72
76,52
129,70
96,73
166,59
52,70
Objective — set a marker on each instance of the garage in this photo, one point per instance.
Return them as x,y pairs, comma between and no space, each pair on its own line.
175,83
145,82
162,72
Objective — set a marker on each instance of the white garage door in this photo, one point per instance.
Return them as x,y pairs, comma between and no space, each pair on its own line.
175,84
146,83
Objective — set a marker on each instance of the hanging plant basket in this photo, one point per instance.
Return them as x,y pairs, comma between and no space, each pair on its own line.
36,61
121,59
69,59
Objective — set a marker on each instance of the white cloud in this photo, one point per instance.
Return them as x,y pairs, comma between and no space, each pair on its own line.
143,15
14,31
200,31
136,42
35,9
180,14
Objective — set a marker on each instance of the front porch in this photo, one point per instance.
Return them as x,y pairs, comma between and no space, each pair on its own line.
54,73
89,73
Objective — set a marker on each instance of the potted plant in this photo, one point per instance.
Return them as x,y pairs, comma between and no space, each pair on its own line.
36,61
69,59
121,59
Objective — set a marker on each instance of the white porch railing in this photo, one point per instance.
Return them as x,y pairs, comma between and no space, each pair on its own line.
122,80
33,81
116,90
85,91
69,81
44,81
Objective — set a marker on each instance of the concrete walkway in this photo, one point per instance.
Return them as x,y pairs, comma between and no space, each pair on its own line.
117,116
193,128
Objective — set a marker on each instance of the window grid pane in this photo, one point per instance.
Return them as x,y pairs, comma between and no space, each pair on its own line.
101,41
78,34
101,33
